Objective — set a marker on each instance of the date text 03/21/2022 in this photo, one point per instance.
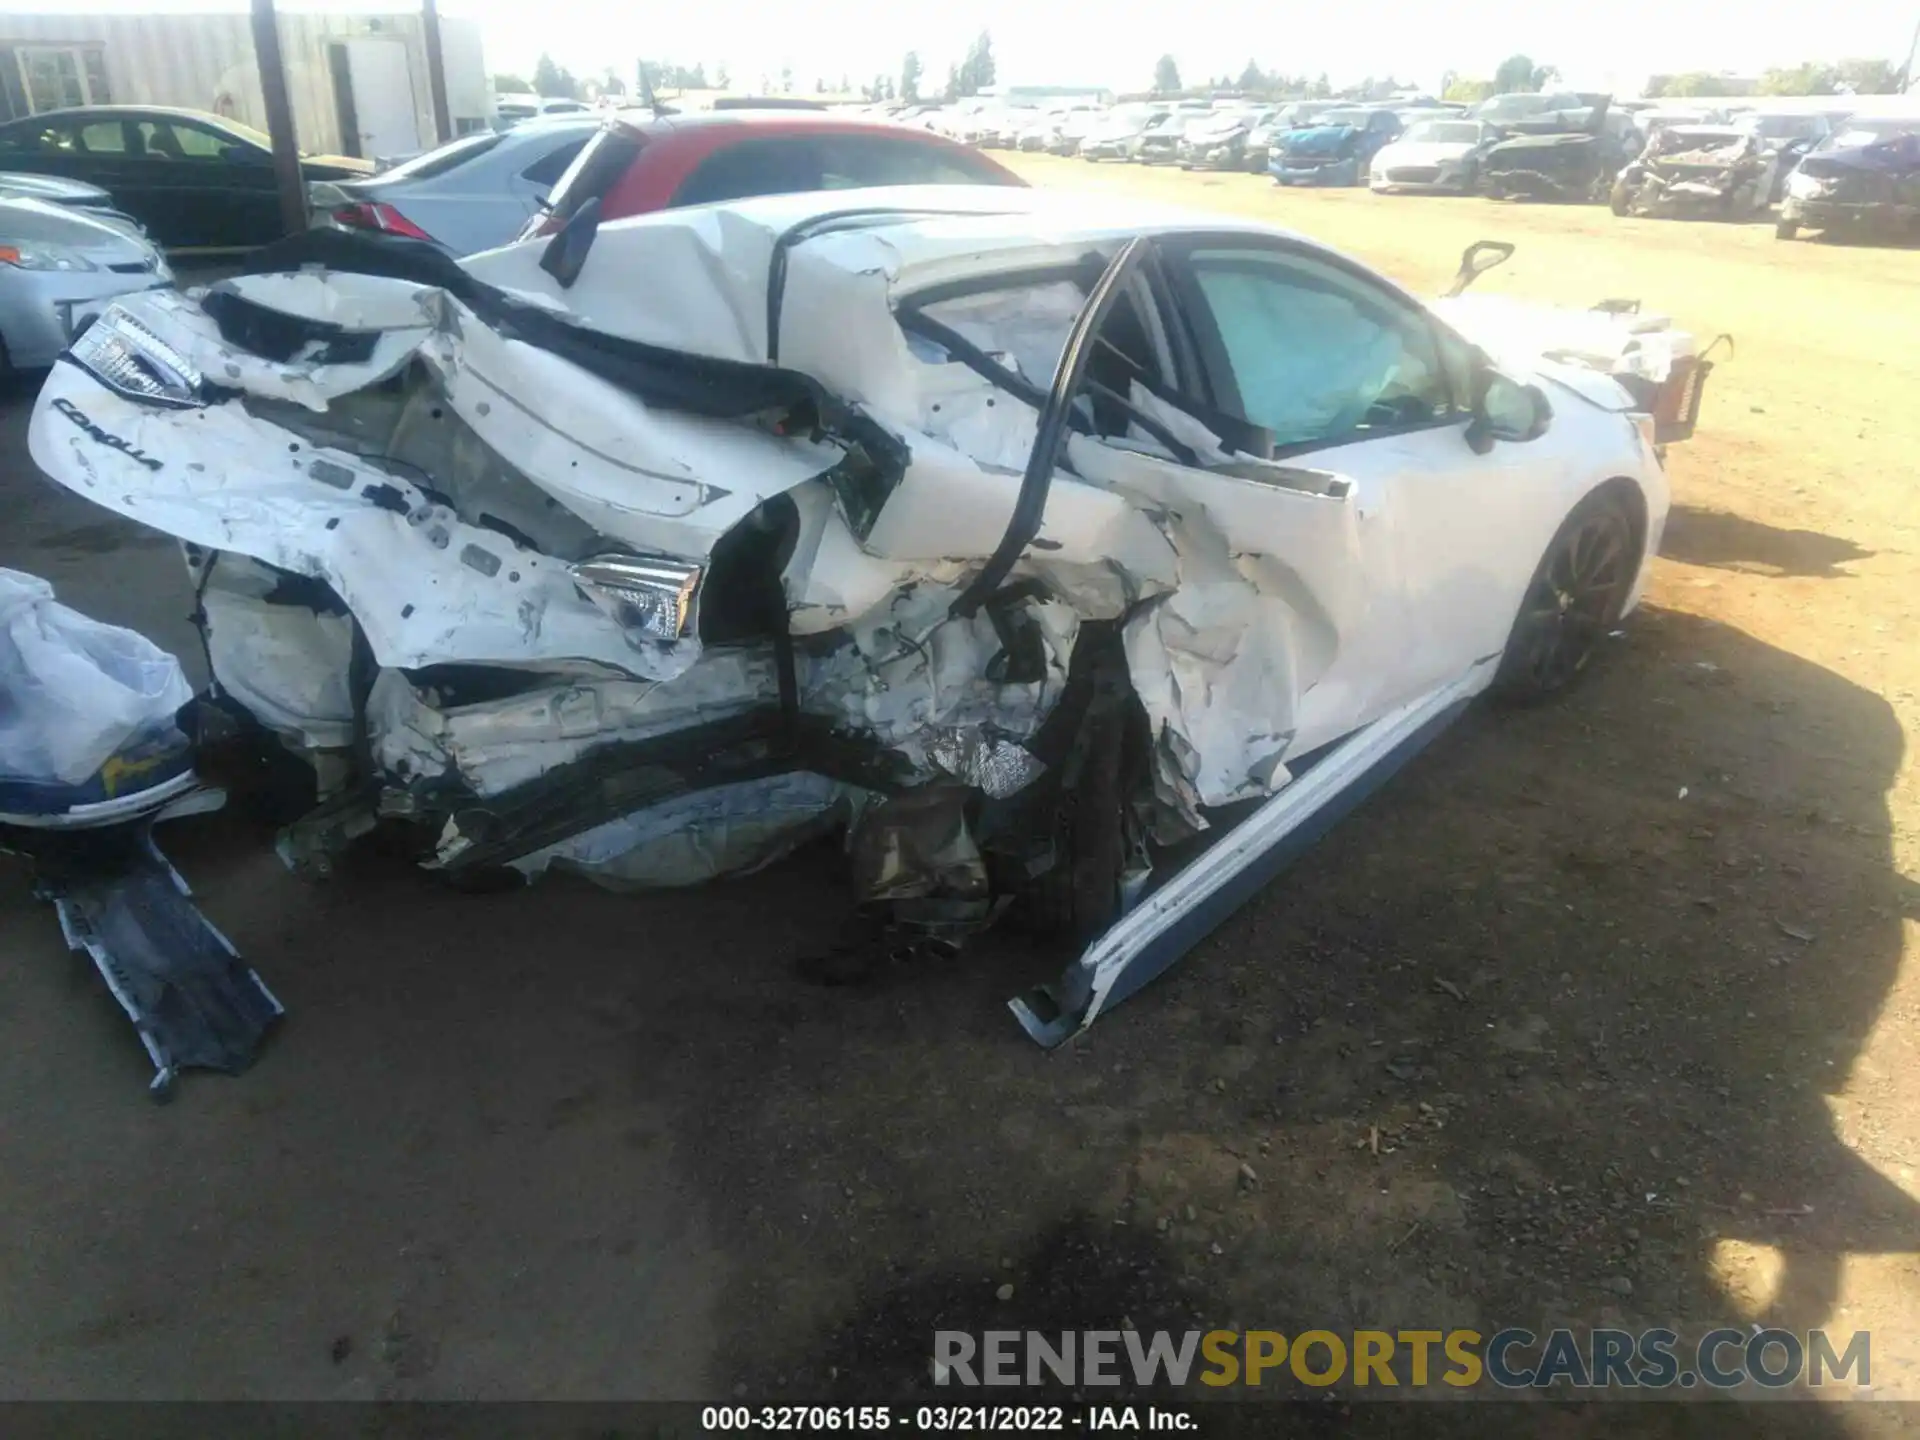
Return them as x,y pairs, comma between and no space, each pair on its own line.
963,1419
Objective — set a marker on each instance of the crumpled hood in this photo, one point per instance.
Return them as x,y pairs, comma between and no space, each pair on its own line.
229,478
1321,142
1542,144
1898,156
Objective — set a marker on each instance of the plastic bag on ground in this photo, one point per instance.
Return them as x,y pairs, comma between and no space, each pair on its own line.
72,690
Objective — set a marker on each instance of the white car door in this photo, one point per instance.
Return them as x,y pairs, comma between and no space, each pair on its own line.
1352,377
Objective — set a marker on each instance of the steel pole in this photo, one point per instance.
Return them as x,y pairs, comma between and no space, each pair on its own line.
286,143
436,70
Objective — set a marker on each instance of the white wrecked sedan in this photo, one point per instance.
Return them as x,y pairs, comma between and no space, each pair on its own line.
1019,537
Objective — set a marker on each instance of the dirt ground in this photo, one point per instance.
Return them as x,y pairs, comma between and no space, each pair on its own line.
1601,1013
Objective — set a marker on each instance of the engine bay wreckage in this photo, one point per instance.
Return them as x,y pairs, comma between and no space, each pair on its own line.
654,555
1719,171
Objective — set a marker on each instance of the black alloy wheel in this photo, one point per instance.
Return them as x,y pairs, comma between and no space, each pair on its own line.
1574,599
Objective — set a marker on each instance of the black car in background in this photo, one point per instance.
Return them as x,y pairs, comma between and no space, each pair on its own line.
1558,147
1864,178
196,181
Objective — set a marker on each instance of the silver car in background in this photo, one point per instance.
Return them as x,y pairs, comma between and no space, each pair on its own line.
59,268
470,195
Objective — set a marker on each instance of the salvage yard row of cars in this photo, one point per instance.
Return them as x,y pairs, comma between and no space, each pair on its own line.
1643,158
1077,562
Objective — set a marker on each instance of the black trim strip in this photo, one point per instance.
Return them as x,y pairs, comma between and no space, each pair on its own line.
1051,433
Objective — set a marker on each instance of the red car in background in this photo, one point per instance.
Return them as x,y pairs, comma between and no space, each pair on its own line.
640,161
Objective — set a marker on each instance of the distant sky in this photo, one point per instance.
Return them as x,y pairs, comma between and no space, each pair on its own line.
1600,44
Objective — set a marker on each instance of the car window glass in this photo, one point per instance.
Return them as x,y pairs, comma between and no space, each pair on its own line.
39,139
158,140
549,168
106,137
1023,327
199,143
754,167
848,161
1316,354
448,157
601,164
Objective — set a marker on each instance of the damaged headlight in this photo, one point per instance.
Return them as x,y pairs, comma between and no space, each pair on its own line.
128,358
649,595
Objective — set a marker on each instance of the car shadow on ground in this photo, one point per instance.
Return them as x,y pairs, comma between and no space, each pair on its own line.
1542,1035
1719,538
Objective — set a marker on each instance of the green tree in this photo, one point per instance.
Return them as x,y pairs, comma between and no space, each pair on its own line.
1166,76
554,81
1868,77
723,77
952,91
977,70
1695,84
1806,79
910,76
510,85
1468,92
1518,74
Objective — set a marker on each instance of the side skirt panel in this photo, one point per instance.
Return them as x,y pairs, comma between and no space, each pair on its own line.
1184,911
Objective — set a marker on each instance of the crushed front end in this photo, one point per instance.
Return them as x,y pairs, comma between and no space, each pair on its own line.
1324,155
1713,174
1869,188
1566,167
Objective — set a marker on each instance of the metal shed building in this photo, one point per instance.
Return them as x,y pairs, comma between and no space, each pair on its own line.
359,82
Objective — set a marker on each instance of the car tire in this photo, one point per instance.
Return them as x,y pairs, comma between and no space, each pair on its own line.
1573,601
1785,229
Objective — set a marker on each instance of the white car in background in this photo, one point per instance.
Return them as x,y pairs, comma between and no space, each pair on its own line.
1437,154
1023,537
1117,134
517,107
